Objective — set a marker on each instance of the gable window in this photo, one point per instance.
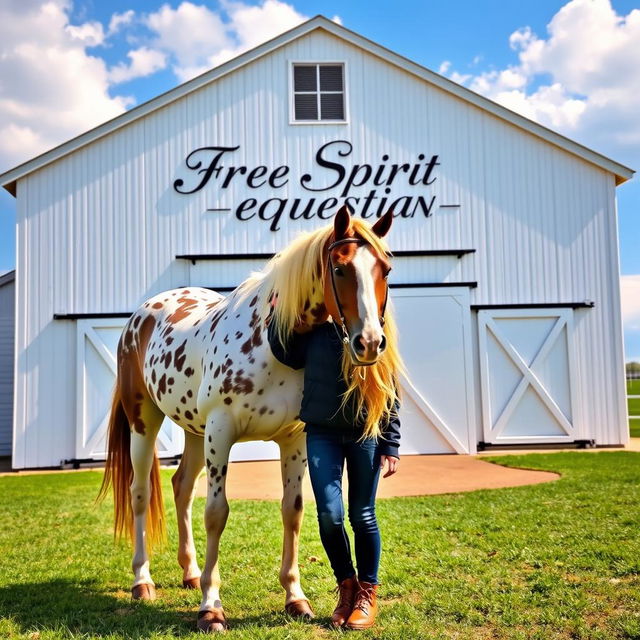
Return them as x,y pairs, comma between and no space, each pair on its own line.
318,92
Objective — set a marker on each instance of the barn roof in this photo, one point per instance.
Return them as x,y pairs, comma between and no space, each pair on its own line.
621,172
7,277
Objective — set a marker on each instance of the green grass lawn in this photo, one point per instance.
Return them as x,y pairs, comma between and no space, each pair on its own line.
633,387
557,560
634,427
634,406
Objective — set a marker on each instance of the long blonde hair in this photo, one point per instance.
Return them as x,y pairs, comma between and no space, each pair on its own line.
296,275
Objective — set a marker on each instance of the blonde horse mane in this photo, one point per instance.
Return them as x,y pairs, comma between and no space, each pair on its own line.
295,275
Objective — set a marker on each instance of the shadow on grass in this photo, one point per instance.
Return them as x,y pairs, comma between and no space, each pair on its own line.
85,608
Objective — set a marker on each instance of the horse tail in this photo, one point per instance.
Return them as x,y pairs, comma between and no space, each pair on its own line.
118,473
118,470
156,532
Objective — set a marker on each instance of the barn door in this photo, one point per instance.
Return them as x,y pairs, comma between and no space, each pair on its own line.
526,366
97,343
437,412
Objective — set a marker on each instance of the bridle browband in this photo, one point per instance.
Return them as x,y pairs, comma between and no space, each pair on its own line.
343,325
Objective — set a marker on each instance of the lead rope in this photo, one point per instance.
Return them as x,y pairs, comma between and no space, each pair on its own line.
343,325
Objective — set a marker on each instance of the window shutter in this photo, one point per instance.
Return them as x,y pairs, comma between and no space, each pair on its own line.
331,78
331,106
304,78
306,105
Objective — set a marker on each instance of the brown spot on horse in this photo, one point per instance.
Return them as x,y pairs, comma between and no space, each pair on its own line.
162,386
180,356
187,305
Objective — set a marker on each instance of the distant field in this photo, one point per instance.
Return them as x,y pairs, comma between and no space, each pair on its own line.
634,406
634,427
633,387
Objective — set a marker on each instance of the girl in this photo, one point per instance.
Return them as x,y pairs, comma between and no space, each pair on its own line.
338,431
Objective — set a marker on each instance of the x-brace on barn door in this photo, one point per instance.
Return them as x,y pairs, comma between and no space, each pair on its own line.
526,366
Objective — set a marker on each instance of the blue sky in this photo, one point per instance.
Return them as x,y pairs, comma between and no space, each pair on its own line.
573,66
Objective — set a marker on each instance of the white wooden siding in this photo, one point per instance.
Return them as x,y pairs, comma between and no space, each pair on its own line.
7,324
98,230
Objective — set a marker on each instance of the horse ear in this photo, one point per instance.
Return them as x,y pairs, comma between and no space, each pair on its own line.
381,228
342,222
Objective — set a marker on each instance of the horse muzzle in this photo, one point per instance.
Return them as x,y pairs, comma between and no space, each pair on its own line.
367,348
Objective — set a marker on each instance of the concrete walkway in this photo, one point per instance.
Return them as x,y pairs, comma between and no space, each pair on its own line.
417,476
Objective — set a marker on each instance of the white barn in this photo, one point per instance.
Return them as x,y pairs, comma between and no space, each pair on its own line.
505,281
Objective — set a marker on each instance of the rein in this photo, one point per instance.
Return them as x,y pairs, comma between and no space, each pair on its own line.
343,325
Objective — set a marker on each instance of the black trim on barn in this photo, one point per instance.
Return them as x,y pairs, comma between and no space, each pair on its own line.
410,253
194,257
585,304
422,253
75,463
395,285
91,316
432,285
578,444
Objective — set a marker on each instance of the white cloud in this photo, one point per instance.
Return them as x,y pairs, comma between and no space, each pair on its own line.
51,88
118,20
460,78
582,79
190,34
444,67
630,291
143,62
90,34
197,39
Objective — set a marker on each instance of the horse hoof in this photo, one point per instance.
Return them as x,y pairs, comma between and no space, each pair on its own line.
212,621
143,592
191,583
299,609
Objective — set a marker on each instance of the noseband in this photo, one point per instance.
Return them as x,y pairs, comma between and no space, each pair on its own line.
343,325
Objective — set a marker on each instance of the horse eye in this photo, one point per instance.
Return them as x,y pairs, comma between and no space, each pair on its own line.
338,271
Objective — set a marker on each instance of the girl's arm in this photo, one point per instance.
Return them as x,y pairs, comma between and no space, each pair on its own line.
390,440
293,353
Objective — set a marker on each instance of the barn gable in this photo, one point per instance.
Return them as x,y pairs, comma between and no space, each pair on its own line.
319,23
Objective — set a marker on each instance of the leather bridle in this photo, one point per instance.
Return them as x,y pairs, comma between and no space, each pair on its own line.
343,324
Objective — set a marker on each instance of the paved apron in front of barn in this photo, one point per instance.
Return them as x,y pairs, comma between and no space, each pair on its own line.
418,475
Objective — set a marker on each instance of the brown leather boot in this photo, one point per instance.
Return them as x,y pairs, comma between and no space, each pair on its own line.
365,607
346,594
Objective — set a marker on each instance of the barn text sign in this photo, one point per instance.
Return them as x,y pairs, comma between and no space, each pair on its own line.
365,187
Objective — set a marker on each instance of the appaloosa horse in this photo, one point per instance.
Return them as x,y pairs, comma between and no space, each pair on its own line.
204,361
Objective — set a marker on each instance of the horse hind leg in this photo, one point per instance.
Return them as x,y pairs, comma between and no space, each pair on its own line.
143,460
184,481
293,467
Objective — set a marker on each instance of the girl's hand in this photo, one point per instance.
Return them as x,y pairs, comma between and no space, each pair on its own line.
392,465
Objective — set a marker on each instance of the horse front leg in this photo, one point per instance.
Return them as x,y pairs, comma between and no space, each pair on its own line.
217,443
293,464
184,481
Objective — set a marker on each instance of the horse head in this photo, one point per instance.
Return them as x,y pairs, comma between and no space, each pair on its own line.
355,284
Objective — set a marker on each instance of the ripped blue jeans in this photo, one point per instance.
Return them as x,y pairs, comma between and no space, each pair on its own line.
327,453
